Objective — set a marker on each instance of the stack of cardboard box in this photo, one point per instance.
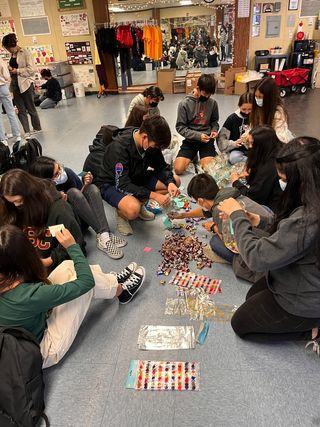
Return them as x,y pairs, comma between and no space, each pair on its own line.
165,80
192,80
179,85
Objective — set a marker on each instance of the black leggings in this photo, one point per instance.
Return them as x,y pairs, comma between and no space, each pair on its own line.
261,314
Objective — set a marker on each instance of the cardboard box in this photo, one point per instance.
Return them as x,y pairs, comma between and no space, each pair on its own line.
165,79
179,85
192,81
225,67
230,79
240,88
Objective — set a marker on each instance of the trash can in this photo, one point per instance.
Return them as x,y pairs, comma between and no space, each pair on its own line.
79,90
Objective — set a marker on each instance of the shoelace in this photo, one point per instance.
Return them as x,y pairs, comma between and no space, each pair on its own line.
132,282
123,274
315,346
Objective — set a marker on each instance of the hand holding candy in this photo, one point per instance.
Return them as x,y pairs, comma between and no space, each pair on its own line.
228,206
173,190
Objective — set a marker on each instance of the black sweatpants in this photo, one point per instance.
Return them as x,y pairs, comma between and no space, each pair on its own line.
261,314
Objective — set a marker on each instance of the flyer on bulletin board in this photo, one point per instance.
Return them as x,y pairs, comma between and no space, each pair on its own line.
74,24
79,53
42,54
6,26
31,8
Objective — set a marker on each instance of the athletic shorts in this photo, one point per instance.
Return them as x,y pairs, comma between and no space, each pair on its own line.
190,149
113,196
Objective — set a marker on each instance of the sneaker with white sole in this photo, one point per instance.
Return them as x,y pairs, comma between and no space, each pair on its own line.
132,285
109,248
124,274
146,215
123,225
118,241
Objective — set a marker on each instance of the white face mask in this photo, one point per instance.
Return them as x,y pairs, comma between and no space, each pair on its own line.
259,101
62,178
282,184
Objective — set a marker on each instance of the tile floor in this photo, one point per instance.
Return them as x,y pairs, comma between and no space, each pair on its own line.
243,383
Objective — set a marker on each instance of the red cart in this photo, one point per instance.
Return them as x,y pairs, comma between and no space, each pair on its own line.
292,80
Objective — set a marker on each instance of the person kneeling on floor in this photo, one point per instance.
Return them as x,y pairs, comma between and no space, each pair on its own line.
53,93
27,293
133,171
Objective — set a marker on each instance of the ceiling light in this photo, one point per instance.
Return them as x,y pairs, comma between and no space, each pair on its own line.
185,2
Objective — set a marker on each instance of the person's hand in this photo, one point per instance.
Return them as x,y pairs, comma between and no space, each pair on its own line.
253,218
208,225
88,178
162,199
173,190
213,134
175,215
239,142
204,138
64,196
234,177
13,71
47,261
65,238
228,206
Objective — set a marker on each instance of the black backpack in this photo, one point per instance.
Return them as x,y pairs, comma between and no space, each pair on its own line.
5,159
25,153
21,379
97,149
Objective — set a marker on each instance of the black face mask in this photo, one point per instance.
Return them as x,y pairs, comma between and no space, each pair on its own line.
245,115
203,98
153,104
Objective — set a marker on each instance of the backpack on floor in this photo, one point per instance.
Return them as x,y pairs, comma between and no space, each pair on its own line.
25,153
5,159
21,379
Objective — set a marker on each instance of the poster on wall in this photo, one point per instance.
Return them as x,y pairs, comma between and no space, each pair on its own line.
268,8
35,26
243,8
255,31
6,26
309,8
5,11
71,4
85,75
31,8
257,8
256,19
42,54
74,24
79,53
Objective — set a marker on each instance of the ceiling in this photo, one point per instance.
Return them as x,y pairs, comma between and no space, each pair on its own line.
130,5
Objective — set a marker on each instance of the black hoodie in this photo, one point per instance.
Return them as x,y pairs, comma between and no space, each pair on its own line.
127,169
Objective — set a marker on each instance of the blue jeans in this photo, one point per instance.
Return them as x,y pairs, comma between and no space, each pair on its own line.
6,101
47,103
237,156
218,247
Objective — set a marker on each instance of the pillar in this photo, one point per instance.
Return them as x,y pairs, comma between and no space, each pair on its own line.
241,39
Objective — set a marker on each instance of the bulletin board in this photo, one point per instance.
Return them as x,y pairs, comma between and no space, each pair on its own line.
42,54
35,26
74,24
71,4
309,8
79,53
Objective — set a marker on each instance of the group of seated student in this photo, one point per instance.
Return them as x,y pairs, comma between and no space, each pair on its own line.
277,233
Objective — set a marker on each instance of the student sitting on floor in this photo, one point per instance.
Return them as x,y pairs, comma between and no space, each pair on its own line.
287,301
27,293
229,139
85,199
205,191
53,90
262,182
197,122
149,98
133,171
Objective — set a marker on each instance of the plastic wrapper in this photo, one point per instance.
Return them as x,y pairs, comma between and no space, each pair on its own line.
163,375
197,305
192,280
166,337
221,170
228,233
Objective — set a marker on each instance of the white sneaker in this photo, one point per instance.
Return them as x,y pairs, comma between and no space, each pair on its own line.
146,215
109,248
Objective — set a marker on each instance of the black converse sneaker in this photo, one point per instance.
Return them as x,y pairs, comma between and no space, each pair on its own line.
126,272
132,285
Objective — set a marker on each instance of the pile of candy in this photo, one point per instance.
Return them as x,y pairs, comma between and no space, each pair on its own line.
178,250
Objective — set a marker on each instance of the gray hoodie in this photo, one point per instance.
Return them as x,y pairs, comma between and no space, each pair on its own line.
287,257
195,117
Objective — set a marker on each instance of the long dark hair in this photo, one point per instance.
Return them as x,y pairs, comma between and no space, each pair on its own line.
265,146
136,115
18,259
37,198
271,103
42,167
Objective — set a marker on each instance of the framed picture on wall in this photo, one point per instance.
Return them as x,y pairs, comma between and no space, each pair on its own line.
257,8
293,5
268,8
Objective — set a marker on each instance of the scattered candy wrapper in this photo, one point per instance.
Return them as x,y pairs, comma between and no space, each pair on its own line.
163,375
167,222
192,280
166,337
154,207
147,249
203,332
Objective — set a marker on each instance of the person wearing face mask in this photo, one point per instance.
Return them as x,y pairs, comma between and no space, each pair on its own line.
22,73
268,109
197,122
229,139
149,98
133,171
53,90
85,199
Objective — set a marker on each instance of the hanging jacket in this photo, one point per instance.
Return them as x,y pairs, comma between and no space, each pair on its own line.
124,36
106,41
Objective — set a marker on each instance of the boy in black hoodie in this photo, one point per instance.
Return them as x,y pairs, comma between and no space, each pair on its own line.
133,171
197,122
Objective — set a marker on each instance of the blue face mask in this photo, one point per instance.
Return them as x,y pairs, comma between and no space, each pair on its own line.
259,101
282,184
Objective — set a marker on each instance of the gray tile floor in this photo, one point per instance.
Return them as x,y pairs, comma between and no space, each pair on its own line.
242,383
